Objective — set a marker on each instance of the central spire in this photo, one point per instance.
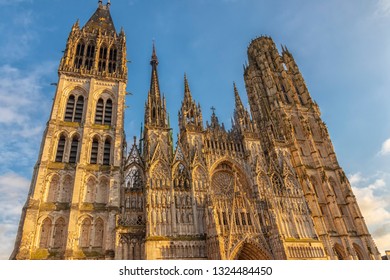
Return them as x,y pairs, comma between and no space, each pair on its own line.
155,114
154,83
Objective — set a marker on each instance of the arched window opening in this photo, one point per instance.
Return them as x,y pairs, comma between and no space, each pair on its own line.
78,61
54,186
102,59
74,109
99,111
108,112
45,234
60,148
69,108
107,152
89,57
66,189
94,151
74,147
112,61
59,233
99,231
85,233
90,195
134,179
78,114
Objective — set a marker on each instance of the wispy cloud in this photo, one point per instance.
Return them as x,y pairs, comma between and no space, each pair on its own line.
13,189
385,148
373,197
20,36
382,8
23,112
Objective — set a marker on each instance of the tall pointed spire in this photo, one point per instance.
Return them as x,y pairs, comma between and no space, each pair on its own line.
239,105
154,83
156,114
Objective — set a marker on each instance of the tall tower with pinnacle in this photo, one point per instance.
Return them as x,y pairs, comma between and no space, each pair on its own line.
75,191
268,188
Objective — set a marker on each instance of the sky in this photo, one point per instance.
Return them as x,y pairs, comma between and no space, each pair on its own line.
341,47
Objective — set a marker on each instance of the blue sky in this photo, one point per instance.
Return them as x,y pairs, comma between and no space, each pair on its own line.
341,47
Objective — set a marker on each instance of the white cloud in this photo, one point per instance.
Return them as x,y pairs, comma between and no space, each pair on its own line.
13,190
385,148
23,112
383,8
373,196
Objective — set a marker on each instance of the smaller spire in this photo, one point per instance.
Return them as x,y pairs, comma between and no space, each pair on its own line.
154,59
239,105
100,3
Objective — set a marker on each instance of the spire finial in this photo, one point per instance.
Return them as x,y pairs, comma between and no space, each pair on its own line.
108,3
186,86
100,3
154,54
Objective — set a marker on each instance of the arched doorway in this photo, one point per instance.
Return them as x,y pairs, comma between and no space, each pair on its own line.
250,251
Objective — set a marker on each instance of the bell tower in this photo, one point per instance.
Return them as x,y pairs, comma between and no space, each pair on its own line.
74,195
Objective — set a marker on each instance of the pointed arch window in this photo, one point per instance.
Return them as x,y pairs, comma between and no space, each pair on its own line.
102,59
103,112
53,191
85,233
74,109
78,115
99,231
60,148
94,151
78,61
108,112
112,60
45,233
107,152
69,108
59,233
99,111
89,57
74,148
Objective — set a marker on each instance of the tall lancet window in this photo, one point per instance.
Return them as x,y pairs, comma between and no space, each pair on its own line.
74,147
89,57
112,60
94,151
59,233
78,114
78,60
45,234
99,111
60,148
69,108
85,234
107,152
102,59
108,112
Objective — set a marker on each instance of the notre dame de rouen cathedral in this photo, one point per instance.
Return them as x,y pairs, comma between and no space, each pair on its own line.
268,188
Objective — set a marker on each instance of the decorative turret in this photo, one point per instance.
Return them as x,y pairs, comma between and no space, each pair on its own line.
242,121
190,114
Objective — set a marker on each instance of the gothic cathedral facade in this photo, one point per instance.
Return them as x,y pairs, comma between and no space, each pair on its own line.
268,188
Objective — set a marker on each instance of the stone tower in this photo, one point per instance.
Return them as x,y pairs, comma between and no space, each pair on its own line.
74,195
296,144
268,188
